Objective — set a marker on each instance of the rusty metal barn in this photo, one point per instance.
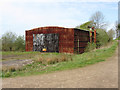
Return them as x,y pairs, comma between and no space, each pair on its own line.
57,39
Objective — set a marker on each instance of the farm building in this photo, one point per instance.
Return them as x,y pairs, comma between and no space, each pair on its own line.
57,39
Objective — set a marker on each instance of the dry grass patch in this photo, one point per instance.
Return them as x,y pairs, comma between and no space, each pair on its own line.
11,68
52,59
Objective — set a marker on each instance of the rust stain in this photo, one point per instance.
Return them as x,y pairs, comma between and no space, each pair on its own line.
67,38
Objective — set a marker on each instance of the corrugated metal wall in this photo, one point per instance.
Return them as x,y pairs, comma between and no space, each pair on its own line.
66,37
70,40
81,38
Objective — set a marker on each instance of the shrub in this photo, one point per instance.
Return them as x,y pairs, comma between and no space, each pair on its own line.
7,74
90,47
102,38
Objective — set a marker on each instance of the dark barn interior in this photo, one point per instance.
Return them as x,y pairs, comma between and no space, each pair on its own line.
48,41
57,39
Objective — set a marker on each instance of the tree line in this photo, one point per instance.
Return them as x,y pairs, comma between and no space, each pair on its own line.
12,42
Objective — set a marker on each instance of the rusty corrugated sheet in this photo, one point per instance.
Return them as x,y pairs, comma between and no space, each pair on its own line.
81,39
66,37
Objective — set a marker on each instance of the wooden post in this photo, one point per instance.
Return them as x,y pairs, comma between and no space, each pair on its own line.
78,45
95,36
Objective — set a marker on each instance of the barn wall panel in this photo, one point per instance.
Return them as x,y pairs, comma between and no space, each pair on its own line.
81,39
66,37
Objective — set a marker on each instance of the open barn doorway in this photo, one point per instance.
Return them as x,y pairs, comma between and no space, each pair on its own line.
50,42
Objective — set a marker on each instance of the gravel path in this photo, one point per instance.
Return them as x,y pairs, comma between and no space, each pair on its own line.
15,62
100,75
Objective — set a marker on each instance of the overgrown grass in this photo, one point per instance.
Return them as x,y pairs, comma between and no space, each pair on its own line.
118,38
52,58
90,47
78,60
21,55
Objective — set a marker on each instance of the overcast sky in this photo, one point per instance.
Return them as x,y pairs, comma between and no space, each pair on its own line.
20,15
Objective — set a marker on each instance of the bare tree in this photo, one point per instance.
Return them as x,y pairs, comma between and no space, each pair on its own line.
98,20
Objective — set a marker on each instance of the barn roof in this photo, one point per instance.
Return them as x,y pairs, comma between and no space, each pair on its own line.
57,28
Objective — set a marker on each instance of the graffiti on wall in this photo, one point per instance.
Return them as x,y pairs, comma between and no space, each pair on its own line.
46,41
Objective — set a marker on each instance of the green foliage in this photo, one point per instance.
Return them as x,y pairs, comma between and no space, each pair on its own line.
90,47
97,21
20,43
85,25
118,38
10,42
7,74
102,37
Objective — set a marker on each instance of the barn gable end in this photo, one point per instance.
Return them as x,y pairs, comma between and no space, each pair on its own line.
60,39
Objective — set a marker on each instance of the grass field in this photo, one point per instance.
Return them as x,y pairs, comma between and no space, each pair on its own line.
57,61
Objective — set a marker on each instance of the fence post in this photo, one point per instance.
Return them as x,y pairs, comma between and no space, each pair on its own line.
78,45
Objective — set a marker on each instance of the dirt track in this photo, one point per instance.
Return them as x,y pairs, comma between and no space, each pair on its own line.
100,75
16,62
